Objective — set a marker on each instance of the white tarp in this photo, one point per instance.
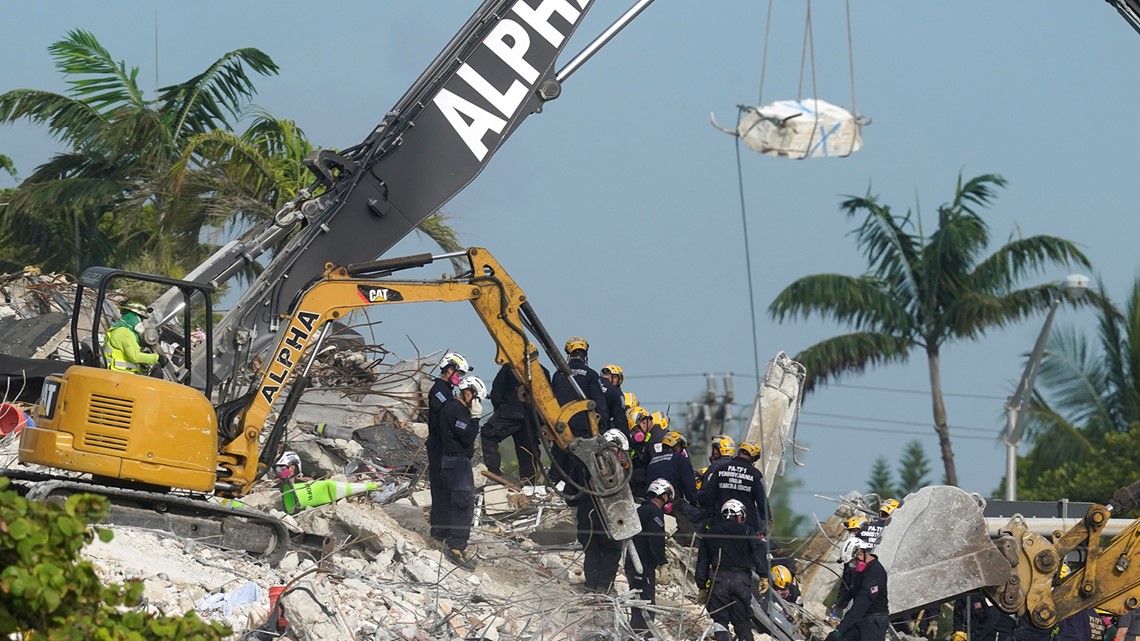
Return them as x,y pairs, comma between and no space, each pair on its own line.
808,128
774,413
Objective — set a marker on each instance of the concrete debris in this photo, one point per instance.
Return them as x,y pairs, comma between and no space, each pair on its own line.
379,576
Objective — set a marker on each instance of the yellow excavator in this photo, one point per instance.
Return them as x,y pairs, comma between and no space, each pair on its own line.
140,437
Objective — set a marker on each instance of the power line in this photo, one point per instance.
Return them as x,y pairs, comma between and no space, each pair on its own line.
884,430
873,388
899,422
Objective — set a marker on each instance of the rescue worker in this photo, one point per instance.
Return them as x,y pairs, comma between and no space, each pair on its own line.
977,618
739,479
566,465
672,464
721,451
867,618
602,552
730,552
650,546
452,367
782,582
629,399
513,418
640,422
1127,627
611,379
854,527
121,350
873,531
660,427
459,427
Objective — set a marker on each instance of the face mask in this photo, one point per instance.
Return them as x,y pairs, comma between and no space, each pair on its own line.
668,509
285,473
638,437
860,566
685,453
454,380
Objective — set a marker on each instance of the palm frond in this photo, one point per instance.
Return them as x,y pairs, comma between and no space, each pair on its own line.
1074,378
864,302
1022,257
851,354
978,191
68,120
891,252
98,80
202,102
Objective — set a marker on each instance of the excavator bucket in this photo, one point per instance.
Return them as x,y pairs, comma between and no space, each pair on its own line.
937,547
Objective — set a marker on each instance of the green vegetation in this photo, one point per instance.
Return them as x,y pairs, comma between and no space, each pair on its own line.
48,592
1083,423
922,292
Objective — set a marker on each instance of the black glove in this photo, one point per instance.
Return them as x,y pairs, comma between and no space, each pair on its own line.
163,361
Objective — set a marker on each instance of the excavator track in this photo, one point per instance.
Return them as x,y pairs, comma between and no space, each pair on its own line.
194,519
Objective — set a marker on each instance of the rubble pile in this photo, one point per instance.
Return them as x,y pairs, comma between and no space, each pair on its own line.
378,575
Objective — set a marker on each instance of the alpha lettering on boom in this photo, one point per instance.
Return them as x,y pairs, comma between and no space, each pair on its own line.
509,41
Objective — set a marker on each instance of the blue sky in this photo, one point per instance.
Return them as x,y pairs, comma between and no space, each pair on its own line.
617,208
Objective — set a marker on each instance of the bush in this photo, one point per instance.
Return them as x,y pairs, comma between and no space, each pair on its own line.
47,592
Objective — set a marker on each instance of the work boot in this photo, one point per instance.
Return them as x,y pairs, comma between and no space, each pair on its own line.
461,558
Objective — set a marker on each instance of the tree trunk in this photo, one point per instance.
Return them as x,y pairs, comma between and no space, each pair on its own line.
941,426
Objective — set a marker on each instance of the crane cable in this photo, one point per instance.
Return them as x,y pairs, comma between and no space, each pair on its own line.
808,40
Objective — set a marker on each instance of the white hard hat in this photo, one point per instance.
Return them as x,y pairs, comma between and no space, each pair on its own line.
616,437
456,360
475,384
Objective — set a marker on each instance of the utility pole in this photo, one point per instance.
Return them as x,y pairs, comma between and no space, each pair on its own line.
711,414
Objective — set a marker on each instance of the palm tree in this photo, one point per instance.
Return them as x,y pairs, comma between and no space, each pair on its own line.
107,198
1087,390
921,292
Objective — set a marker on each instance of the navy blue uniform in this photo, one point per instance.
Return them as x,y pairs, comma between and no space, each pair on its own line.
676,468
615,406
709,510
591,385
640,453
602,552
458,432
441,392
512,419
981,619
739,479
729,553
650,546
867,619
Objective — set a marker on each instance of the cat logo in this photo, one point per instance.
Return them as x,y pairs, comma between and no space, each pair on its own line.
379,294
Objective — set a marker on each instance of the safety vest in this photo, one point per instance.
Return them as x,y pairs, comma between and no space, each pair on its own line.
115,357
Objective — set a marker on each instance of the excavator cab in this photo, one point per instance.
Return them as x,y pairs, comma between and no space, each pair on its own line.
155,430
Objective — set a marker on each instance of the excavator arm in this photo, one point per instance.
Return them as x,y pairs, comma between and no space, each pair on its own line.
497,70
502,306
1109,578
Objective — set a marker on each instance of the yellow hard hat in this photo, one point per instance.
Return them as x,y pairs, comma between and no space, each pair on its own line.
856,522
888,506
636,414
576,343
724,445
136,308
660,420
1064,571
630,399
751,447
674,438
615,371
781,577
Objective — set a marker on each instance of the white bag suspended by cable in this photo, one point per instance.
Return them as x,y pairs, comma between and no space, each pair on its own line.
807,128
804,127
